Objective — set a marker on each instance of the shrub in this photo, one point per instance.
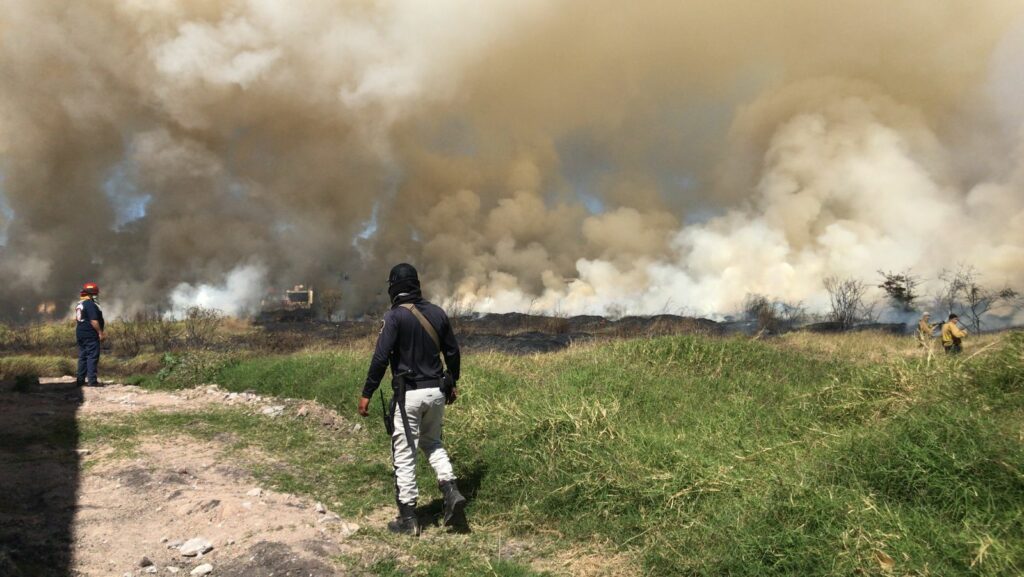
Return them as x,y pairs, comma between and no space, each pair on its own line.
190,369
201,326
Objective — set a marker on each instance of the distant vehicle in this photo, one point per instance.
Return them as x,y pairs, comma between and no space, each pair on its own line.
291,305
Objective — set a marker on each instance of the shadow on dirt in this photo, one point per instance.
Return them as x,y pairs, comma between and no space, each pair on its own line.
39,475
270,559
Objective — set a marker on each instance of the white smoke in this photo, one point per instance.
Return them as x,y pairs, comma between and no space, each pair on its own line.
852,183
239,295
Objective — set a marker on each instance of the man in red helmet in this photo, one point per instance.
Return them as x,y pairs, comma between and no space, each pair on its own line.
89,332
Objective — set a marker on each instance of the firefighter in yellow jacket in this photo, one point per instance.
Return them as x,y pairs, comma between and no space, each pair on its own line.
952,335
925,328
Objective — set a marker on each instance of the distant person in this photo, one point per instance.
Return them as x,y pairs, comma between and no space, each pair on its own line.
89,333
953,335
414,337
925,329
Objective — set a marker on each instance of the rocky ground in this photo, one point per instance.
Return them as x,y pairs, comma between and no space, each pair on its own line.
173,506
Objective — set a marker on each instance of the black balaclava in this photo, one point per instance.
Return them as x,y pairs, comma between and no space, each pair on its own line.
404,284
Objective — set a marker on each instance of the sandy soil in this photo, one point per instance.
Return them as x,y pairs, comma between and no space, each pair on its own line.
170,491
178,490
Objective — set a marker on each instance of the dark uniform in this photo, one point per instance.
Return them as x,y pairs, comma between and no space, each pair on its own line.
418,404
406,347
88,339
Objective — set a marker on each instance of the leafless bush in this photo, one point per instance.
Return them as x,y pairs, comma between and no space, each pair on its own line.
157,330
793,313
757,307
128,336
963,293
201,326
979,300
772,315
954,284
846,297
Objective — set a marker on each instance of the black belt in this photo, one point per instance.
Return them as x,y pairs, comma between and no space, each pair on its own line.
426,384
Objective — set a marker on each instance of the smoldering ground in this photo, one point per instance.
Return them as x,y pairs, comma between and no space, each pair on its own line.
571,157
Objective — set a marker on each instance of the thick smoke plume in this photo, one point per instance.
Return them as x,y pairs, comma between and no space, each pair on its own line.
575,156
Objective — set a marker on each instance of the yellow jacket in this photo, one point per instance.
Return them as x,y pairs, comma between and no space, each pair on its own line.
952,333
924,330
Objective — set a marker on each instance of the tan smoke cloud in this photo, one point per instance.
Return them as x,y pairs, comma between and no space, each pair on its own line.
575,156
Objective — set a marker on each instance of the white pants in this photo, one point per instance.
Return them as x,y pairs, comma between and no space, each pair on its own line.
425,410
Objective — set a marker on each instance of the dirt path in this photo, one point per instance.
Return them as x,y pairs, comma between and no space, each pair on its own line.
73,511
177,490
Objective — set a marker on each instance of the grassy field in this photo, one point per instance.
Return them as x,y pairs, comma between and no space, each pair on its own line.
689,455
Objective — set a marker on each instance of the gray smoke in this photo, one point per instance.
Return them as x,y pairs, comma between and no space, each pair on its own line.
572,156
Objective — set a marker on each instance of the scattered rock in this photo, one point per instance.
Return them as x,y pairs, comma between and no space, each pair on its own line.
347,529
273,410
150,569
83,452
302,412
128,574
173,570
204,569
145,562
331,518
164,539
210,505
319,508
357,427
196,546
254,492
230,541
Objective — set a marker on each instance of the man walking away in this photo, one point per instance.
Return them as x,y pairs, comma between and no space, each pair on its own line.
953,335
89,333
412,332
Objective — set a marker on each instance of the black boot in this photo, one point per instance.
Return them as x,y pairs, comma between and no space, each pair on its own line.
454,503
405,523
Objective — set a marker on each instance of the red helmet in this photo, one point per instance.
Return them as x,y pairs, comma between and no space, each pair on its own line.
90,288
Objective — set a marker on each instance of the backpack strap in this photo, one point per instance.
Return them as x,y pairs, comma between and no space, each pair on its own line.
429,328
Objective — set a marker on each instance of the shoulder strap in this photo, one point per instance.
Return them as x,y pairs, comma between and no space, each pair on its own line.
427,327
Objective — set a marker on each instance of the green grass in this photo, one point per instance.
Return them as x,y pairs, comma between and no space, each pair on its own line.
703,456
450,562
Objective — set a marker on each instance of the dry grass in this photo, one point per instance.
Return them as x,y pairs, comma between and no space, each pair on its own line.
875,346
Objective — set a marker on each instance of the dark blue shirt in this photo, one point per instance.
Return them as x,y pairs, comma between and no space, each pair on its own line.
406,347
86,311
